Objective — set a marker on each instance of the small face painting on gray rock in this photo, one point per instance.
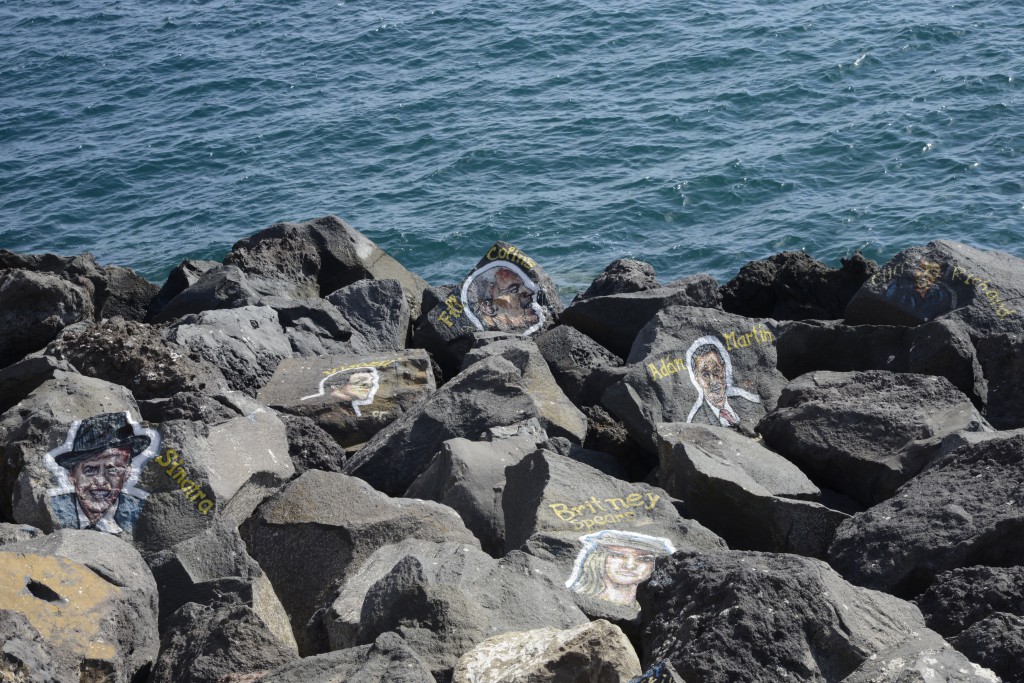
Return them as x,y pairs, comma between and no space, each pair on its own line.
96,470
613,563
500,297
711,374
923,293
354,387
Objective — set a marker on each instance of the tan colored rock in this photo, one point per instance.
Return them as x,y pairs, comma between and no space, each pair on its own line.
598,652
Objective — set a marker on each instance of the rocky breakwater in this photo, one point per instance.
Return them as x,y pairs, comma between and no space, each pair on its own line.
306,464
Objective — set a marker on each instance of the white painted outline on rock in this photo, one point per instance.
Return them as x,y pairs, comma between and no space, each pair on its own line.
530,284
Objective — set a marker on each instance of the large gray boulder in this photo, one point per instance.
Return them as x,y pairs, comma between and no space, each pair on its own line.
246,343
794,286
1002,360
388,660
753,498
34,307
698,365
20,379
444,599
351,396
615,320
747,616
582,367
966,509
597,652
493,392
321,527
469,477
996,642
961,597
941,347
317,257
135,355
622,276
310,447
377,310
181,277
206,644
600,534
91,600
854,432
216,288
315,327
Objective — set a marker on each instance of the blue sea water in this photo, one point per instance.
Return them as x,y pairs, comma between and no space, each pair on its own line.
696,135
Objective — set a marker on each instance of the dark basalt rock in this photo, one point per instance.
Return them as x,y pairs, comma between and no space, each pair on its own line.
388,660
20,379
615,320
136,356
218,287
317,257
445,598
315,327
34,308
941,347
622,276
377,310
964,510
746,616
794,286
245,344
321,527
748,495
310,447
1002,359
961,597
582,367
853,432
997,642
183,276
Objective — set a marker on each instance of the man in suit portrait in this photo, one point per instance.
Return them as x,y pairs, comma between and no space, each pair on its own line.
711,374
98,465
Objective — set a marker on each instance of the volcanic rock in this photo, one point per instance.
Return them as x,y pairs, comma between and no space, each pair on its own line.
697,365
582,367
748,495
321,527
91,600
387,660
34,307
853,432
15,533
615,320
445,598
961,597
747,616
997,642
575,517
598,652
492,392
135,356
794,286
204,644
218,287
317,257
622,276
183,276
377,310
24,655
315,327
469,477
310,447
246,343
20,379
964,510
1002,359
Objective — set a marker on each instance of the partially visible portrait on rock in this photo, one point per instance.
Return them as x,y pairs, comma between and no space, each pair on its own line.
922,293
711,374
500,297
353,387
613,563
96,472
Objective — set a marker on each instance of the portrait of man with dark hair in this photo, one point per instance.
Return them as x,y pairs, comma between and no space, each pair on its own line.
613,563
353,387
923,294
711,374
99,463
500,297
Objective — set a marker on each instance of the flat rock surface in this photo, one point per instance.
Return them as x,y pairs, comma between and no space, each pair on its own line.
966,509
351,397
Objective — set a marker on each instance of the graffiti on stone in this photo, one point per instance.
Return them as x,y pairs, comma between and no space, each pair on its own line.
612,563
499,296
711,374
352,387
96,471
662,672
922,291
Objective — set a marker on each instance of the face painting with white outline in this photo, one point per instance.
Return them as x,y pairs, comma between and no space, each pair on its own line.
354,387
613,563
711,375
500,297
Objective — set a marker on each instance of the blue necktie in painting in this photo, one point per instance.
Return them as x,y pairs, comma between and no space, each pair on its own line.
662,672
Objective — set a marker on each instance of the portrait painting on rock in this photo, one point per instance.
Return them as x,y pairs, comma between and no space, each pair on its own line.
613,563
922,293
500,297
353,388
710,370
96,472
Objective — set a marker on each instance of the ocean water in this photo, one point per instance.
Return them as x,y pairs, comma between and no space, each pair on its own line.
696,135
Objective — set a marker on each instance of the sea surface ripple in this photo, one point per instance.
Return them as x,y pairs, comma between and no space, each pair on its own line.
695,135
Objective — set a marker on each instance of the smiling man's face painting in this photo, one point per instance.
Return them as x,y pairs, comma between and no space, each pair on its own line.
98,480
